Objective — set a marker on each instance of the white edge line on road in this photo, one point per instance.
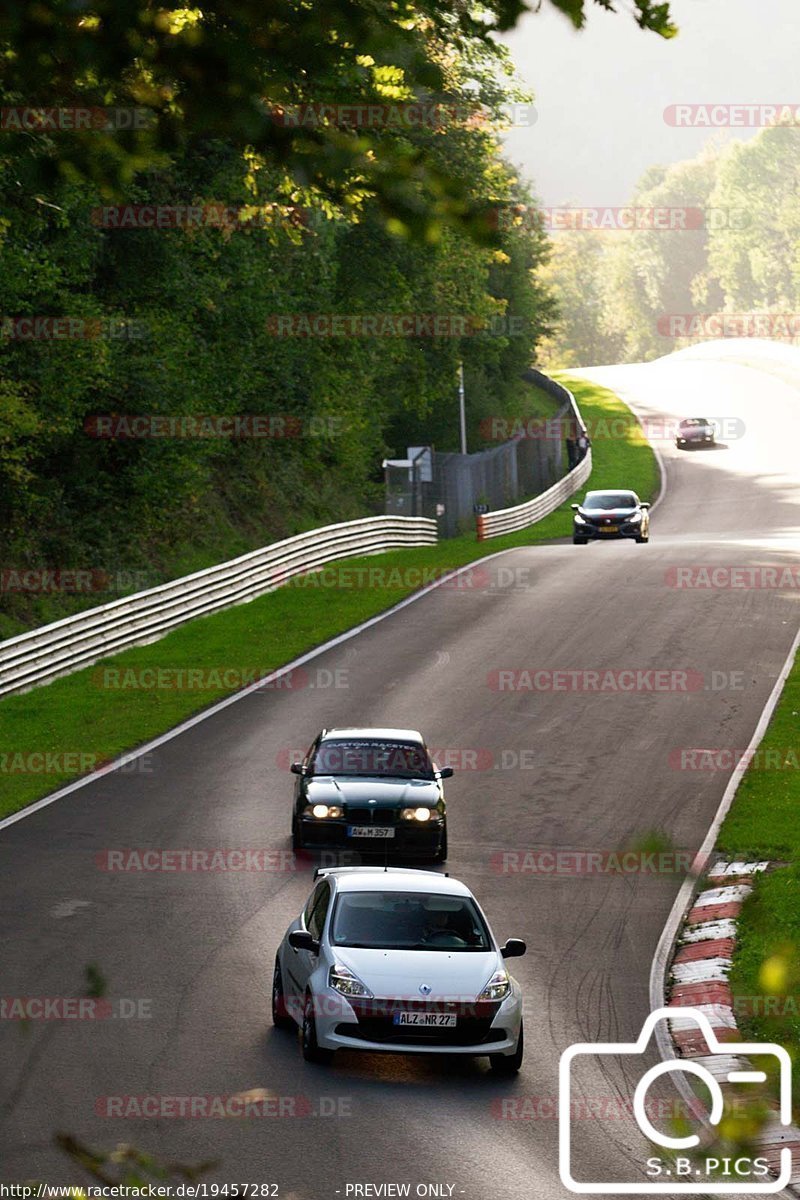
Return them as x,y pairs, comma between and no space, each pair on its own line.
586,373
131,755
669,934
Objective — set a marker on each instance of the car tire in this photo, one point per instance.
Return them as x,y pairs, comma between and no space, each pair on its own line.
579,541
297,837
509,1064
441,853
642,541
280,1015
312,1051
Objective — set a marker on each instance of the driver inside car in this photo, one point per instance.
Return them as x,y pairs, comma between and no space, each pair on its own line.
443,928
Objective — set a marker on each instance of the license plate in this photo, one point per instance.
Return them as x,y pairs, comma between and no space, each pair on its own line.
439,1020
609,528
370,831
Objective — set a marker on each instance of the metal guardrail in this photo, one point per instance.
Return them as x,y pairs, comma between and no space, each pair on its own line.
508,520
77,641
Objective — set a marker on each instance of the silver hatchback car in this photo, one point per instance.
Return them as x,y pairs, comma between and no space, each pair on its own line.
399,961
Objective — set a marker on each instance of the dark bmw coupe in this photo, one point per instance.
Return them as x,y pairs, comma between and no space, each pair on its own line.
373,790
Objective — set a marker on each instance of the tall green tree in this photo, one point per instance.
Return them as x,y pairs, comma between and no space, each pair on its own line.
226,69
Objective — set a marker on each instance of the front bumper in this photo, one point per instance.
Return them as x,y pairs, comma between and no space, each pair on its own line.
601,533
410,838
368,1025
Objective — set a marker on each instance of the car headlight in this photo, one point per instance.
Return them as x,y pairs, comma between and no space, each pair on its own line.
579,520
415,814
342,979
637,516
323,811
498,986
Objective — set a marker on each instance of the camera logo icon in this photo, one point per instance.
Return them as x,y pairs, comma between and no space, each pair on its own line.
757,1181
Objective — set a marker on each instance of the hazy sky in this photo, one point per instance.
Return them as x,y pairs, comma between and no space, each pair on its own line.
601,93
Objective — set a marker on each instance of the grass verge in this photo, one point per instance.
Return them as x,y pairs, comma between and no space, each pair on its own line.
764,823
81,715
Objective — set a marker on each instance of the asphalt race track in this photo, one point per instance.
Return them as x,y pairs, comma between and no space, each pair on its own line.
600,771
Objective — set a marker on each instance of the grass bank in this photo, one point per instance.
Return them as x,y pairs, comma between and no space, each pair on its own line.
59,731
764,823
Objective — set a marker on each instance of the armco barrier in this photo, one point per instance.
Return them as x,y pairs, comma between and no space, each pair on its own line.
43,654
507,520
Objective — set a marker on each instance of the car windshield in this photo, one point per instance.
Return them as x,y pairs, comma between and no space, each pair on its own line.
370,757
611,500
692,422
408,921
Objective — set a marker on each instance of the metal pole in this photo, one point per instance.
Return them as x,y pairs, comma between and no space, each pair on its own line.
461,408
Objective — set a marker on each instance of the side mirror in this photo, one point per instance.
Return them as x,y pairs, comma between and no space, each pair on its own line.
446,773
514,948
575,506
301,939
645,505
296,768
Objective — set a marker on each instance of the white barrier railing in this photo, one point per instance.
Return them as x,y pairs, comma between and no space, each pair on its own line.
77,641
508,520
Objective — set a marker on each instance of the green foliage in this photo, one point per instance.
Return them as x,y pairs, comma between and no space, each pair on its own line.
576,274
617,290
632,295
222,71
199,301
757,262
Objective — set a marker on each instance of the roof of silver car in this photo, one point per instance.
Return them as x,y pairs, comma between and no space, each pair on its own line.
377,734
393,879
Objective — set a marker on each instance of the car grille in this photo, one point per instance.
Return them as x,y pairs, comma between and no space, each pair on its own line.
371,816
375,1023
